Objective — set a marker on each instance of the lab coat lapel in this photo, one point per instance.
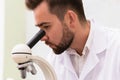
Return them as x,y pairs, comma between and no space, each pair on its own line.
67,63
91,62
98,45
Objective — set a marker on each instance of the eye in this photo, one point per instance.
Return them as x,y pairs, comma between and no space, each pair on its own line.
46,27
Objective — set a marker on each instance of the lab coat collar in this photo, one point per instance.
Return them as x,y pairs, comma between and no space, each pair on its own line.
67,62
96,38
96,45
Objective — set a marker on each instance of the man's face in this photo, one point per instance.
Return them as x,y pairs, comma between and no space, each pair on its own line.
65,41
58,35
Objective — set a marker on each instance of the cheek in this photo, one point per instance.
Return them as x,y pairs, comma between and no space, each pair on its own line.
56,35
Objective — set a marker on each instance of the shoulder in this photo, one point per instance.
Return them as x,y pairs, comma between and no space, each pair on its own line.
111,34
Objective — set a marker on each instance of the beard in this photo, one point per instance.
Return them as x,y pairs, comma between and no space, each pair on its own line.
65,42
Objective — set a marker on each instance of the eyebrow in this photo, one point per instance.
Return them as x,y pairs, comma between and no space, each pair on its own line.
43,23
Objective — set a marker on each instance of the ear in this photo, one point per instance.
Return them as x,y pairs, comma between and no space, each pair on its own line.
70,18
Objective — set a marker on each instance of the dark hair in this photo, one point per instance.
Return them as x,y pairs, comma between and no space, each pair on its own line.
59,7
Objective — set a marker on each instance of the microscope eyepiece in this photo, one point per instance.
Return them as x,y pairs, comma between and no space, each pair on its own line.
36,38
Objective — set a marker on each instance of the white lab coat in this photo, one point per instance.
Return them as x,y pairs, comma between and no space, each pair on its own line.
103,61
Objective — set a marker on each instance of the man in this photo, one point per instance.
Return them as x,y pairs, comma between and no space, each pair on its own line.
83,50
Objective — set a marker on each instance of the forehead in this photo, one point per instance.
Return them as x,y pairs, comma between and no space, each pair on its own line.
42,7
42,13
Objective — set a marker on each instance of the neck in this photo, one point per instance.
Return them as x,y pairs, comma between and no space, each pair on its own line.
81,37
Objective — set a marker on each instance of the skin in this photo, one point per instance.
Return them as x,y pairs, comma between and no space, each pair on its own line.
57,32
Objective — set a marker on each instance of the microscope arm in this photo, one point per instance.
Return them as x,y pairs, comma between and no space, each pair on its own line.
28,66
46,68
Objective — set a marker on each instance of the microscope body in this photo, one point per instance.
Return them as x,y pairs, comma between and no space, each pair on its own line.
22,55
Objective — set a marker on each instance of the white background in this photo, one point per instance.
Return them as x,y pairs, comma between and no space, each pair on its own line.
107,12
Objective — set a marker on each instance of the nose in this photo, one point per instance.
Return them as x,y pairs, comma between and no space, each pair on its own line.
44,38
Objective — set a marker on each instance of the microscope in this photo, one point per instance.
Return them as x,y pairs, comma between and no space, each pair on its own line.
22,55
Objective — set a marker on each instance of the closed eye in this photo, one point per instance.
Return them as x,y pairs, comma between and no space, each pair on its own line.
44,25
